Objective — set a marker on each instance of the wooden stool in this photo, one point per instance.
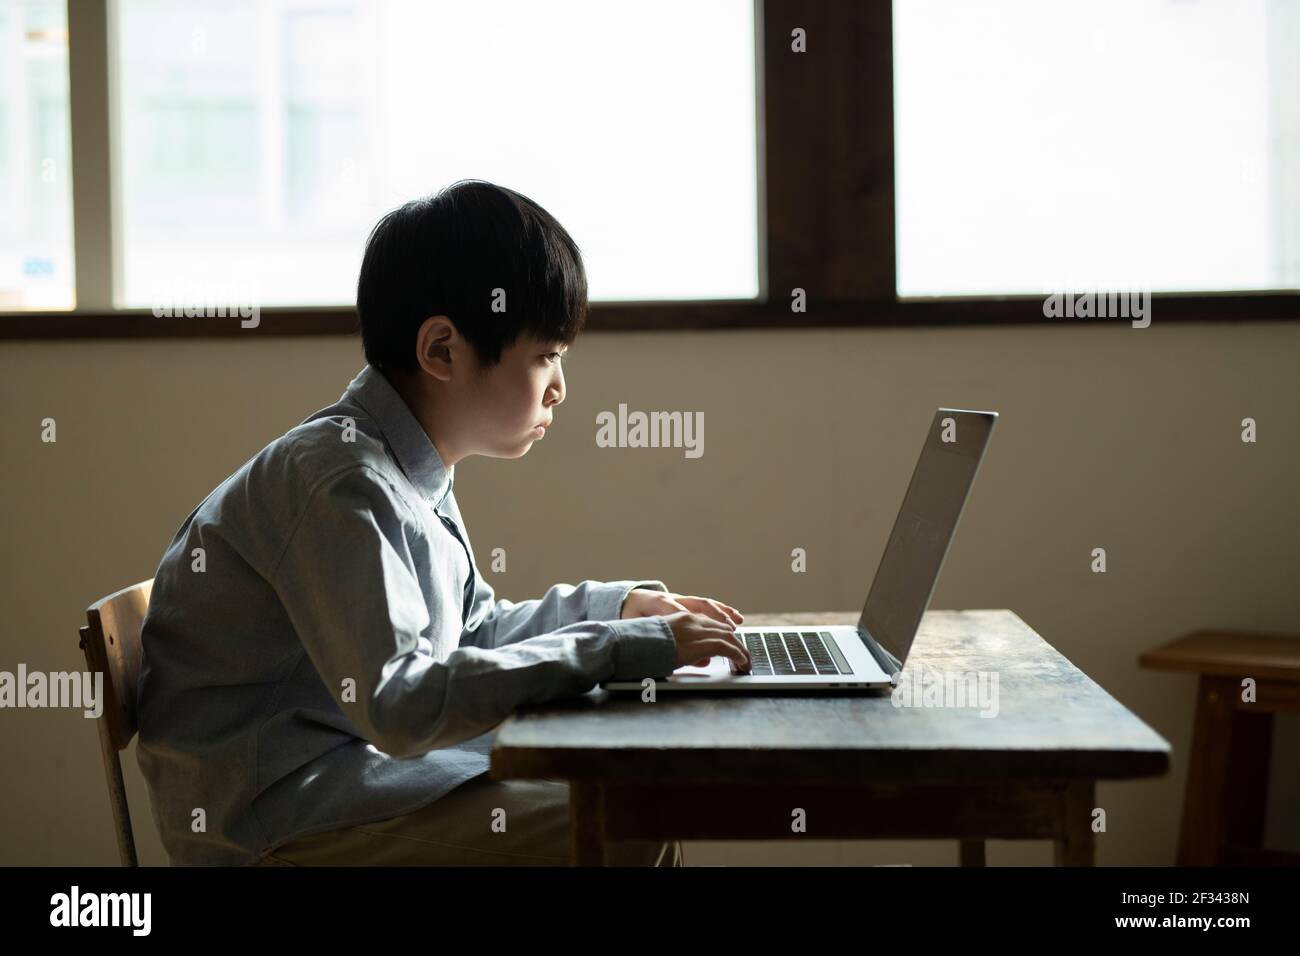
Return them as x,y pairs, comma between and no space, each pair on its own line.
1227,774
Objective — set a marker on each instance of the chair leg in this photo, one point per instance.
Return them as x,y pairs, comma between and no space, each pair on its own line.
1201,832
112,768
1246,800
117,797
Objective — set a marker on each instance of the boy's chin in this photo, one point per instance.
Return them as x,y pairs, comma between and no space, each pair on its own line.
517,450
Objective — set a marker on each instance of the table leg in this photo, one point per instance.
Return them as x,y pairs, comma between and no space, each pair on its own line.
970,852
1075,846
587,823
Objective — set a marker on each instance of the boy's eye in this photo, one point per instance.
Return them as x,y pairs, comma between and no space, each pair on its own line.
552,356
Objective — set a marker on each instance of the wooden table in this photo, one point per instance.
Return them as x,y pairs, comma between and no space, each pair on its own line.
1225,799
736,766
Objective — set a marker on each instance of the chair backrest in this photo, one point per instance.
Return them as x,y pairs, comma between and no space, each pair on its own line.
112,645
111,642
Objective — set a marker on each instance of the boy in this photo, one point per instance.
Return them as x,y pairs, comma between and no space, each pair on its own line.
323,663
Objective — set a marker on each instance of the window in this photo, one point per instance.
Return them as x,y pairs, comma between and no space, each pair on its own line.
260,139
36,266
1055,144
896,163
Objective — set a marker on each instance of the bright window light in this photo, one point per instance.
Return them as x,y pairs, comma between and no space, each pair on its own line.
1092,144
36,264
258,141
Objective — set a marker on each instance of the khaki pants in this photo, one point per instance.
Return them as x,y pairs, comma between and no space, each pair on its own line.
457,830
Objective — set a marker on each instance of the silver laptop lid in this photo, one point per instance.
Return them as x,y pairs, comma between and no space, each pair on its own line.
924,527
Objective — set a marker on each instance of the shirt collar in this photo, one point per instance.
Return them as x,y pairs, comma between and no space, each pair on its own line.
415,453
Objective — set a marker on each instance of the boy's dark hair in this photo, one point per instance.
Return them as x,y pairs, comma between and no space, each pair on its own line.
445,254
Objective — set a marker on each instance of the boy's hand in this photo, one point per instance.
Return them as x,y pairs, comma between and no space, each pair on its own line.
644,602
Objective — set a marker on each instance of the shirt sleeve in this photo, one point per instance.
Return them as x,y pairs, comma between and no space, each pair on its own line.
496,623
348,579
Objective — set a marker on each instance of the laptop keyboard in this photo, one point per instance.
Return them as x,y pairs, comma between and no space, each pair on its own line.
792,653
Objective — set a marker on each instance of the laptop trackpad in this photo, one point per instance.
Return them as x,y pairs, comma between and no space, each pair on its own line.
716,667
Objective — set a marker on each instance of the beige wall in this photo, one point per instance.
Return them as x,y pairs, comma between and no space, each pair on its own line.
1109,437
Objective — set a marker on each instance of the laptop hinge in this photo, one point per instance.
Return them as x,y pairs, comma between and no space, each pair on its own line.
890,664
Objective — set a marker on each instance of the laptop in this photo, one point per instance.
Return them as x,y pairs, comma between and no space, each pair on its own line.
870,654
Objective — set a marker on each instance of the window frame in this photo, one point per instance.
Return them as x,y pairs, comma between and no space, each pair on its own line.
825,204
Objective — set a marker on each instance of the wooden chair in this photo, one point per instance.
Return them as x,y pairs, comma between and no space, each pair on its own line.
1225,799
111,642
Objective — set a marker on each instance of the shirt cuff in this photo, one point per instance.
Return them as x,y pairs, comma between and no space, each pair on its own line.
606,601
645,647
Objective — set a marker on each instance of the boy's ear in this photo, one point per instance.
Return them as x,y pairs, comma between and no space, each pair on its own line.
433,346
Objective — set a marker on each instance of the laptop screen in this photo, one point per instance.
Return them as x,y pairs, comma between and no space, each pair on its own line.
914,555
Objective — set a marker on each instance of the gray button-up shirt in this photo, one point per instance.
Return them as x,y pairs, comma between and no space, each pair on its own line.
321,651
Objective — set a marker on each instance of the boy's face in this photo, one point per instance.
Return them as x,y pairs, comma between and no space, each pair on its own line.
469,410
504,405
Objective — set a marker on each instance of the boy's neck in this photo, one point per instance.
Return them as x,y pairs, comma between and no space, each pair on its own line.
409,388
